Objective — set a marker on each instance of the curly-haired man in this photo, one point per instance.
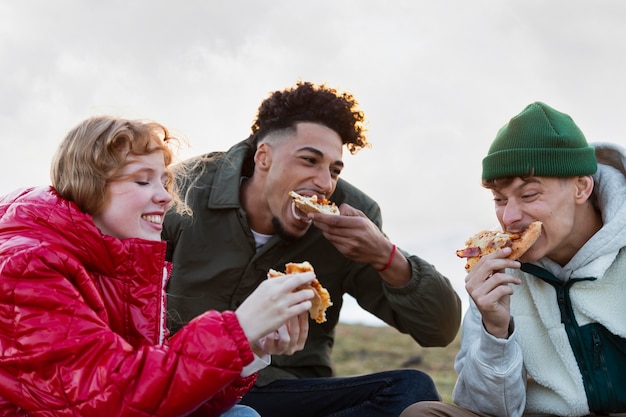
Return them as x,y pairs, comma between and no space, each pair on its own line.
244,223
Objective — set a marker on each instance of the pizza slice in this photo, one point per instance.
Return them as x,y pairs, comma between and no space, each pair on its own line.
321,299
489,241
313,204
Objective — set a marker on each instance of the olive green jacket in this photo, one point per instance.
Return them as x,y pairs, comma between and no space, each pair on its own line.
216,266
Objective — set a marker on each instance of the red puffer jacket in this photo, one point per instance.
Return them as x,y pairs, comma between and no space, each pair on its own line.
82,323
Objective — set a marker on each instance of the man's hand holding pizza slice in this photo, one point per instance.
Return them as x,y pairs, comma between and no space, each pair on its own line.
488,254
356,237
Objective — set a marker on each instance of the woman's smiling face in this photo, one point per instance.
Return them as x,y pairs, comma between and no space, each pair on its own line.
136,203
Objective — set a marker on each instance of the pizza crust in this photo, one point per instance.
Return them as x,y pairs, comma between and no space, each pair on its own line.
321,299
527,239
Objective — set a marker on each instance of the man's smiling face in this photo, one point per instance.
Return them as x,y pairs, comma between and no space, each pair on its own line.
308,162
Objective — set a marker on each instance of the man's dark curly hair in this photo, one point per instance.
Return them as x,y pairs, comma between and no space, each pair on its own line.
307,102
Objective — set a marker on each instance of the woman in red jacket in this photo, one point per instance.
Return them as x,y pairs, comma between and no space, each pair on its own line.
82,300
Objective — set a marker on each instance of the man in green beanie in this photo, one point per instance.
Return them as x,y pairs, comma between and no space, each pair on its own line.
546,335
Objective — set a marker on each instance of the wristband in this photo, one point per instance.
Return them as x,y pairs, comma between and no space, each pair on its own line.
393,253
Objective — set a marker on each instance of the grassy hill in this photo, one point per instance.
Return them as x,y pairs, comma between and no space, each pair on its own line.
363,349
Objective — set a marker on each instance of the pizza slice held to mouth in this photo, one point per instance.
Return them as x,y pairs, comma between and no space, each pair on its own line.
321,299
489,241
313,204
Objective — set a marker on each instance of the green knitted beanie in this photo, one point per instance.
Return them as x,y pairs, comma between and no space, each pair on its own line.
542,142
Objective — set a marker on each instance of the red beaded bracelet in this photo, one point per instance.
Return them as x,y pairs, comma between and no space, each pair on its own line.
393,253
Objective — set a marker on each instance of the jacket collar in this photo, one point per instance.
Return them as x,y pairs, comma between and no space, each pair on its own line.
43,212
227,182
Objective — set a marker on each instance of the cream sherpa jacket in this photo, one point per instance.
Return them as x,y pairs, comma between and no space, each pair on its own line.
493,372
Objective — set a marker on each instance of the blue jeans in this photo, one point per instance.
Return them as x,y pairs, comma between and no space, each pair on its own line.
383,394
240,411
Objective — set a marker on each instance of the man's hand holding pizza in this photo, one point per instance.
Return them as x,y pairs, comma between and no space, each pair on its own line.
359,239
488,254
489,286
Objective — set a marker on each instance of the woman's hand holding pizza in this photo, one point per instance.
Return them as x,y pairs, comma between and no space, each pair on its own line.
278,309
288,338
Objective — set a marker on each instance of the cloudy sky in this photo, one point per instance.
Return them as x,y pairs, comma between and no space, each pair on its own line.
436,80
